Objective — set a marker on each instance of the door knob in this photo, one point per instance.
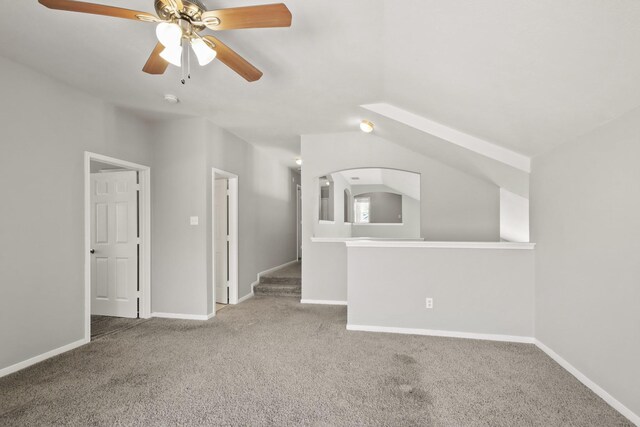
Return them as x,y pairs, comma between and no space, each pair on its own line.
93,251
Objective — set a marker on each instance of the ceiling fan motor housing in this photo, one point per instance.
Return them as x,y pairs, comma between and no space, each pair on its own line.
193,10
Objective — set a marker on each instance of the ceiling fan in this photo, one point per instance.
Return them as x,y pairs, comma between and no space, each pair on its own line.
179,25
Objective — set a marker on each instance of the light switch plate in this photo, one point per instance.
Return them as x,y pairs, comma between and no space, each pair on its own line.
193,220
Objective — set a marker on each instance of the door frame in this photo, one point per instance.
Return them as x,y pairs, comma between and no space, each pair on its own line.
233,235
144,217
298,221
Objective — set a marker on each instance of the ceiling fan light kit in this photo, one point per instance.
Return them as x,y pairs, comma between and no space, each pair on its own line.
169,34
179,25
203,51
173,55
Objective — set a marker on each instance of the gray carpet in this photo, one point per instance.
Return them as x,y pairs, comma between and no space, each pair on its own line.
273,361
106,325
286,281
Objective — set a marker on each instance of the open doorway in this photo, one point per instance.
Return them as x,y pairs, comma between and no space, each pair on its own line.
117,242
224,225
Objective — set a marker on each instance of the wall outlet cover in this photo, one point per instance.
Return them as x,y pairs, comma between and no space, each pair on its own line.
193,220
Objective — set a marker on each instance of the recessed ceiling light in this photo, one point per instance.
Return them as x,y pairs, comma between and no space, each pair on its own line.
171,99
366,126
355,178
299,162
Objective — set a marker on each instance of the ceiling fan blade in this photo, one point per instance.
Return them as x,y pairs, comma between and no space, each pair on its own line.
98,9
234,61
155,64
265,16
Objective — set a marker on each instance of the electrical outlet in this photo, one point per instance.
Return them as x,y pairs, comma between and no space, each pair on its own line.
429,302
193,220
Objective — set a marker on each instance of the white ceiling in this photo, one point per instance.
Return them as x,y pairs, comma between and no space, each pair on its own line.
527,75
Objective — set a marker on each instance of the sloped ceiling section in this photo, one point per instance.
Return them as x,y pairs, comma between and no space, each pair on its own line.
454,136
527,75
473,163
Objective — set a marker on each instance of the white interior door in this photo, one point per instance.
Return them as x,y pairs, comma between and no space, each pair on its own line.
220,219
114,242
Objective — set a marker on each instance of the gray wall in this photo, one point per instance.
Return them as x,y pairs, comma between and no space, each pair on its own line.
267,205
585,210
410,228
179,250
182,268
46,127
384,207
339,228
485,291
455,206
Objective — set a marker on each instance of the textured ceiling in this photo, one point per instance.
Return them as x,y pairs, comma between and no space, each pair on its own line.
527,75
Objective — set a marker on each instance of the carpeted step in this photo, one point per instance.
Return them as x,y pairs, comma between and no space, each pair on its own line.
275,280
278,289
285,282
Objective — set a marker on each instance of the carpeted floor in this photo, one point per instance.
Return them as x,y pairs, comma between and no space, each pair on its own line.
106,325
273,361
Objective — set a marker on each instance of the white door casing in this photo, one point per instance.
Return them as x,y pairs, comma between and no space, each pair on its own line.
233,220
299,220
114,238
221,241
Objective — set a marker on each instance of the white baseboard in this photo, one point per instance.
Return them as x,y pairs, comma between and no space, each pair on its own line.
181,316
246,297
44,356
322,302
210,315
253,285
617,405
437,333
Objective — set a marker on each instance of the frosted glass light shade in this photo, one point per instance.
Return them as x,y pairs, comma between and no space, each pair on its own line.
169,34
203,51
173,55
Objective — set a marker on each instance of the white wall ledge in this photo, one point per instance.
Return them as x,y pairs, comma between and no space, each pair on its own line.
365,239
395,243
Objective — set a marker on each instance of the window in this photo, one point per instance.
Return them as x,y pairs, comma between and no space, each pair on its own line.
361,209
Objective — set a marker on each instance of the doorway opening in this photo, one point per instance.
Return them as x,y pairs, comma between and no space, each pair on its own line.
117,230
224,238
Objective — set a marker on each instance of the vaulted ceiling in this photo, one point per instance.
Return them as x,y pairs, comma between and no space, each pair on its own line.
526,75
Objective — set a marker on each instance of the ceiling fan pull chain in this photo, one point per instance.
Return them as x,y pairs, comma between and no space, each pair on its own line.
185,59
188,43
